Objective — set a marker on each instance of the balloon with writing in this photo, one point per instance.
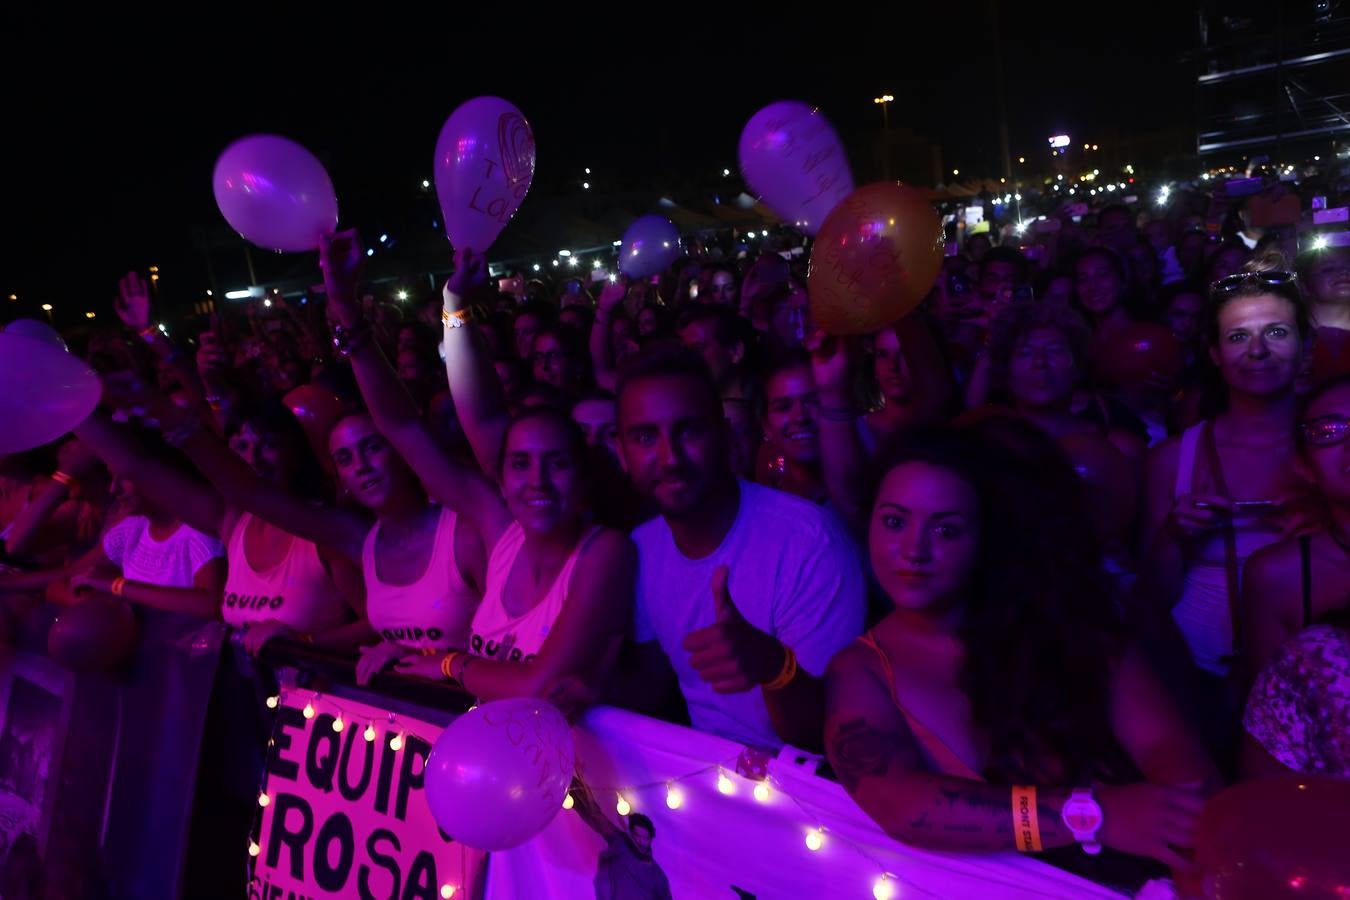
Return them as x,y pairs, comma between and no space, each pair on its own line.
498,774
649,246
1276,837
484,165
275,193
44,390
792,158
876,257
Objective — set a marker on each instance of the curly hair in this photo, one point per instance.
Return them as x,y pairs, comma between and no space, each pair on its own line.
1038,631
1019,320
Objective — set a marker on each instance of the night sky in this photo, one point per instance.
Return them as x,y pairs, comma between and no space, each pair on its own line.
112,124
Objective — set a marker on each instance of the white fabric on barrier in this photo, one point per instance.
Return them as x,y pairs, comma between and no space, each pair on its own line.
715,842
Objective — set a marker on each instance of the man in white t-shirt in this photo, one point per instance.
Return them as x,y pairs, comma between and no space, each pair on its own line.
746,592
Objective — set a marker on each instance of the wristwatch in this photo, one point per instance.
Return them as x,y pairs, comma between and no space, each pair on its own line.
1082,815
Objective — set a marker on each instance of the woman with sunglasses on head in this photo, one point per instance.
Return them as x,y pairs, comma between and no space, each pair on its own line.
1219,492
1291,585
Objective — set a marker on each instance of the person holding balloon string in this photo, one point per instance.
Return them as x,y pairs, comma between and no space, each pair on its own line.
557,590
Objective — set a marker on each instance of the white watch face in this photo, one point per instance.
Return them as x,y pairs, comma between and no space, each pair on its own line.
1082,814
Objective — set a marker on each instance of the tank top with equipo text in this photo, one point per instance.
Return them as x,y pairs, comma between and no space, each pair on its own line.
499,635
435,610
296,592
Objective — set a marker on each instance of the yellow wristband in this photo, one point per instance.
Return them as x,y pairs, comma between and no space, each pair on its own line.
1026,825
446,662
788,672
457,319
63,479
118,585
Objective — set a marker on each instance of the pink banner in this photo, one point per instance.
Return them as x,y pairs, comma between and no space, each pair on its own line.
343,812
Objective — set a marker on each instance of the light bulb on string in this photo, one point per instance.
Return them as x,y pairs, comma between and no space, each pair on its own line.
447,891
623,807
674,796
883,888
396,743
568,802
762,792
369,733
308,711
815,839
263,800
338,724
273,701
724,784
254,849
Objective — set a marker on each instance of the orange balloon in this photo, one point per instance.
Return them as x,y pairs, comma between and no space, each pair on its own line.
877,255
1277,837
317,409
1112,481
1135,354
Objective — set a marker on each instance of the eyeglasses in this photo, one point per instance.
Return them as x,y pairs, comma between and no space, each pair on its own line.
1325,431
1272,279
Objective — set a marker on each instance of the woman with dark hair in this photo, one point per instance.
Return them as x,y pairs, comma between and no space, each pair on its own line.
556,589
1037,356
558,358
1102,290
1221,490
1294,583
1000,666
276,584
718,285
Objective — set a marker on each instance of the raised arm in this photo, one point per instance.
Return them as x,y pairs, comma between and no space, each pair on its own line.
195,502
479,402
601,342
464,491
842,457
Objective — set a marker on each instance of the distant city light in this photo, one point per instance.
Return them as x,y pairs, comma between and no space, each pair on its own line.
1059,140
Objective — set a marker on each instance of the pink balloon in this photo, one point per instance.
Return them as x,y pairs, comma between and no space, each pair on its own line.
792,158
650,245
498,774
484,165
275,193
44,392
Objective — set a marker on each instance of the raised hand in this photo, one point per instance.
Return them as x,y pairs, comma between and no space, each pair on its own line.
341,259
470,274
133,302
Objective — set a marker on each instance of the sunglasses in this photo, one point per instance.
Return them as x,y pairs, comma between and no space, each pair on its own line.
1272,279
1325,431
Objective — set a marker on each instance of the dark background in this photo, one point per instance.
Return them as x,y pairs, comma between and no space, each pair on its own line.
113,122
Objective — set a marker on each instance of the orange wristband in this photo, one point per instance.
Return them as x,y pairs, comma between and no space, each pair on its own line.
1026,825
63,479
119,584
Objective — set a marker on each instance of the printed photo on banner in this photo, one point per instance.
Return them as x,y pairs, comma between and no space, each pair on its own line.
32,718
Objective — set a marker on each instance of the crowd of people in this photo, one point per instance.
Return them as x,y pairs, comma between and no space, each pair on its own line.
965,557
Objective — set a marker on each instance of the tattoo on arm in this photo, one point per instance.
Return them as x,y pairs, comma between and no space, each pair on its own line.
860,751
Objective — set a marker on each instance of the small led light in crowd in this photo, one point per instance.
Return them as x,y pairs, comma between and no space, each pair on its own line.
762,792
370,251
613,278
1094,146
1021,159
815,839
1317,159
267,303
1096,171
1319,242
571,260
568,802
536,267
1020,228
89,315
724,784
1017,196
588,171
595,264
369,733
674,796
622,807
396,743
555,262
308,711
585,185
883,889
616,244
750,234
425,183
956,171
726,172
253,848
14,296
447,891
264,800
384,238
338,724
